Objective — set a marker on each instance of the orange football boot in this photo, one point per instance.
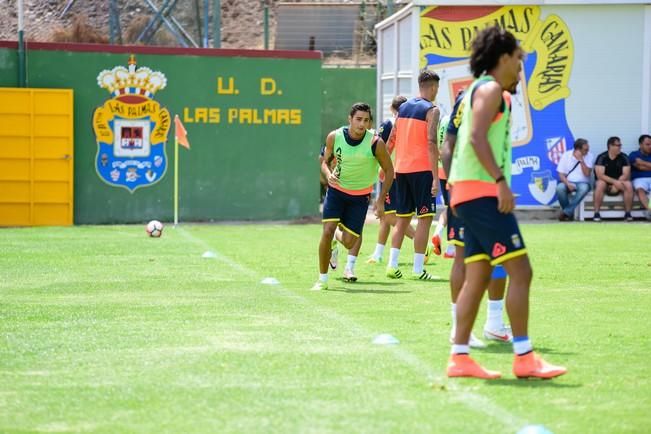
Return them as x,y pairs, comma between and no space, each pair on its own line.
532,365
436,243
461,365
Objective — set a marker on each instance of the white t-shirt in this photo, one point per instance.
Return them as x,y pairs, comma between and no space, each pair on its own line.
568,162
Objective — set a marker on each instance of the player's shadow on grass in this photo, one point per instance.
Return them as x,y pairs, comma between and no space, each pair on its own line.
372,291
499,348
362,290
532,383
408,265
366,283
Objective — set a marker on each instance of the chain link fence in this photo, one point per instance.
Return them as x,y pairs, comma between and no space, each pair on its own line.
342,30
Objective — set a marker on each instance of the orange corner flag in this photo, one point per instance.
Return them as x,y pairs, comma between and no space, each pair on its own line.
179,132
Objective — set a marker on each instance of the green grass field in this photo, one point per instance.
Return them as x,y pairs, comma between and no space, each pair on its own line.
106,330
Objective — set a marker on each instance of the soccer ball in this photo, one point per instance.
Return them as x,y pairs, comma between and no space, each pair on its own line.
154,229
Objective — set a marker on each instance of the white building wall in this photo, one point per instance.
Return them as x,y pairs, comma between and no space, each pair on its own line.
606,82
609,83
611,73
396,39
645,120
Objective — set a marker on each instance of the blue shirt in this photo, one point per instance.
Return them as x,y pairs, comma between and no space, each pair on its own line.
455,121
385,130
637,173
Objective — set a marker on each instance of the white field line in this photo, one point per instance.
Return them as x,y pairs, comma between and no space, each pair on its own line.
475,402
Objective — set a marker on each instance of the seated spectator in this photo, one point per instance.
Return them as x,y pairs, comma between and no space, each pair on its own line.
574,170
641,170
613,171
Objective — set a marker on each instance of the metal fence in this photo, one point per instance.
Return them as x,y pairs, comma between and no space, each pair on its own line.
342,30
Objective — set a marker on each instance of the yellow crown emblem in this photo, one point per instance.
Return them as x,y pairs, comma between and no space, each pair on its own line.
132,80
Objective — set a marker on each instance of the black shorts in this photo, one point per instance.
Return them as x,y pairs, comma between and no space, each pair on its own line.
390,200
350,211
610,192
415,194
488,234
455,229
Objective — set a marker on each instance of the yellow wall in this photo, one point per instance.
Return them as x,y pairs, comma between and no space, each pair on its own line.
36,157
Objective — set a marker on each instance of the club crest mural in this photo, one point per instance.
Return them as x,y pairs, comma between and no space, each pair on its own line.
131,128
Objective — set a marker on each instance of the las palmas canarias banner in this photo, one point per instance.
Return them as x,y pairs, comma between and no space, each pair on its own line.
539,128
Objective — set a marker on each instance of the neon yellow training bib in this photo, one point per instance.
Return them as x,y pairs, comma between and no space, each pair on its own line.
356,167
465,164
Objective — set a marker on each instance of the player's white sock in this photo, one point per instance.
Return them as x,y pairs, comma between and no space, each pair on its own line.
439,229
350,263
460,349
323,277
379,250
339,234
494,314
419,262
393,257
521,345
450,250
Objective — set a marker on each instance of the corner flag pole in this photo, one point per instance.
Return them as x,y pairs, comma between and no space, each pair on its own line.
22,57
176,180
180,138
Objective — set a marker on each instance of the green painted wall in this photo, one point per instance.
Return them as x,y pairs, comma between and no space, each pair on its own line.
340,89
8,67
236,170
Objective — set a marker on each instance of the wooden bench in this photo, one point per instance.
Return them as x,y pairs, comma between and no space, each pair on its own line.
612,207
